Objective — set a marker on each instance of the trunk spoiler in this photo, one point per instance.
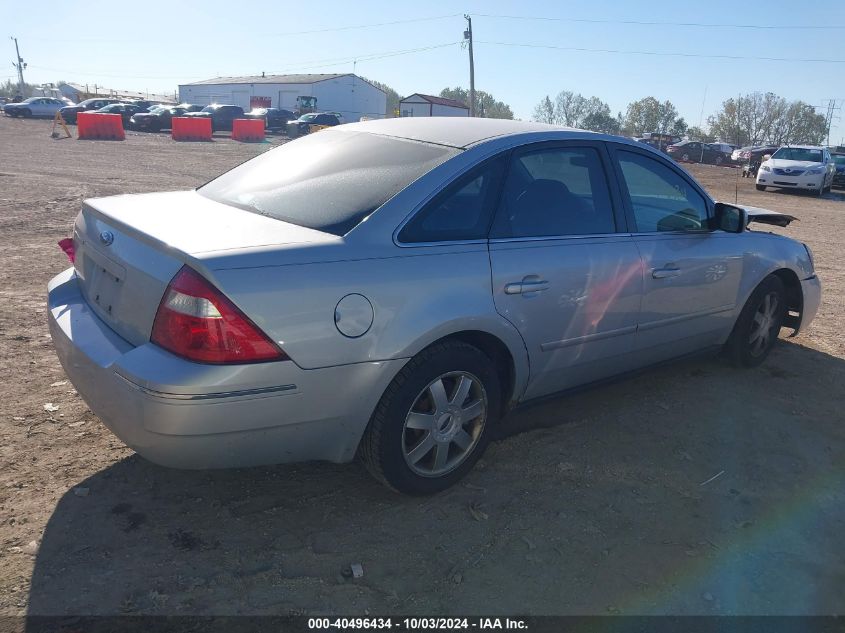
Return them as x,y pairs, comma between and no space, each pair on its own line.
765,216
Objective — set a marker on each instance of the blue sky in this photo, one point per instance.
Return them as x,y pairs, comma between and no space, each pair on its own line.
157,45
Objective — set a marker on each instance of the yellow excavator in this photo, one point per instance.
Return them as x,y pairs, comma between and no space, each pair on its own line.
304,105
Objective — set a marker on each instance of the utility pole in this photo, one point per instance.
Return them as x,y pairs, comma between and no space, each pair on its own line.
20,65
832,108
468,37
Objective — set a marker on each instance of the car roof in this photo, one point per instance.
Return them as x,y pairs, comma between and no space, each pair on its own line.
460,132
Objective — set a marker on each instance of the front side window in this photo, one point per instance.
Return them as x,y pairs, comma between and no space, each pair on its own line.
661,199
555,192
462,211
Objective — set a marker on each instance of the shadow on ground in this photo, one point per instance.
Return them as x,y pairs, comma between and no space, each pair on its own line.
692,489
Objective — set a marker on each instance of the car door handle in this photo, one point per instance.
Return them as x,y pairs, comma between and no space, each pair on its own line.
529,284
665,273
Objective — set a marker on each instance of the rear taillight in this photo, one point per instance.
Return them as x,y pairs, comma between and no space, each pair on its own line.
196,321
67,246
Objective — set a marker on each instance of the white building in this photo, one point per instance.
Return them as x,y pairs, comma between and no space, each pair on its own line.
427,105
348,94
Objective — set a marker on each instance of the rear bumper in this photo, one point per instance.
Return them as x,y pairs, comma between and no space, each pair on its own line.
188,415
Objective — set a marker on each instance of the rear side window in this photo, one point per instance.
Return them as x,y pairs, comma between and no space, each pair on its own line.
329,181
555,192
661,199
462,211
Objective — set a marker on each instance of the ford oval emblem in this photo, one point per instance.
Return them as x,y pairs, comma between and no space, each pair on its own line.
106,237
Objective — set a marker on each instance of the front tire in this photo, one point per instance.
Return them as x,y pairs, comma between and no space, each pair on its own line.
26,113
434,420
756,330
761,187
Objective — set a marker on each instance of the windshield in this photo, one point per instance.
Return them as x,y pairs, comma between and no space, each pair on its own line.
799,153
308,117
209,108
329,181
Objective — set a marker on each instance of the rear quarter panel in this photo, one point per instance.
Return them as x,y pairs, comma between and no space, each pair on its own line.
418,296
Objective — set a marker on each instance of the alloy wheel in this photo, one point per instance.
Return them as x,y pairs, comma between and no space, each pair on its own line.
764,324
444,424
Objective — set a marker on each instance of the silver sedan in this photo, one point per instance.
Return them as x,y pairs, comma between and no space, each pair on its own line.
35,107
390,289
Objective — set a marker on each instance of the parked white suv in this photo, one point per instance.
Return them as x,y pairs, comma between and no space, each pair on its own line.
798,167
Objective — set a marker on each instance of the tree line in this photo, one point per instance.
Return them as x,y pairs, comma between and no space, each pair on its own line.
752,119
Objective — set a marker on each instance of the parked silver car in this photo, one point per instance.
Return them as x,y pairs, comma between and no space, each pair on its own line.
35,107
391,288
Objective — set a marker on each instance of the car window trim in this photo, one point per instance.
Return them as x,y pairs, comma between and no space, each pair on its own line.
491,156
614,148
619,220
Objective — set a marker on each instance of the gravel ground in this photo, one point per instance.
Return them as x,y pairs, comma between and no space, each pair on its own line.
594,504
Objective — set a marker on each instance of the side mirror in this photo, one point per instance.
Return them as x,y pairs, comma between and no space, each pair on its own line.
729,218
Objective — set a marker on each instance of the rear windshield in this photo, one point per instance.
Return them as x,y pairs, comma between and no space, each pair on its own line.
329,180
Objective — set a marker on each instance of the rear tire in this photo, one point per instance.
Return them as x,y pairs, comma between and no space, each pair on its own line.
756,330
434,420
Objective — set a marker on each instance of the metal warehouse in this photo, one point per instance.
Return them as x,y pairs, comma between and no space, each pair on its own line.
350,95
428,105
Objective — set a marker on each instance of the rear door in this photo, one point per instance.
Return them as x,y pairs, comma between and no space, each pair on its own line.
691,274
564,270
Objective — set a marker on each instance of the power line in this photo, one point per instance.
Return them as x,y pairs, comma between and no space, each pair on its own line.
365,58
656,23
340,61
367,26
108,73
663,54
316,63
352,27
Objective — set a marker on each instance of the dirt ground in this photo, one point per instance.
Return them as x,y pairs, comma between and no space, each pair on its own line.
600,503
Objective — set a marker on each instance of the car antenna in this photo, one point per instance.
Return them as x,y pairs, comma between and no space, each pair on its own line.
736,188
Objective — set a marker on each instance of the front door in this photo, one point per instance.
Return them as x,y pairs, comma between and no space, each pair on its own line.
563,273
39,107
691,274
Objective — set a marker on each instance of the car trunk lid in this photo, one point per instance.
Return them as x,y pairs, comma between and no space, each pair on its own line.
128,248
